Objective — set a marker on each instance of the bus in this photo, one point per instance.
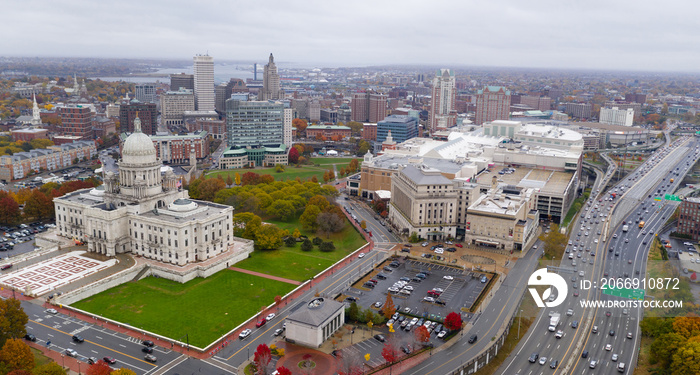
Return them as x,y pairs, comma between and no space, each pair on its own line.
641,224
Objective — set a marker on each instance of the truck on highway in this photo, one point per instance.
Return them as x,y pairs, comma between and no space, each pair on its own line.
641,224
554,322
625,228
671,180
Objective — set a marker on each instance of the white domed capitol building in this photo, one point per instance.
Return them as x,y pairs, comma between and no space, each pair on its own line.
143,211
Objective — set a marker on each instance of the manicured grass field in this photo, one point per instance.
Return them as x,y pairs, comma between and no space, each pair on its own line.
291,172
294,264
204,309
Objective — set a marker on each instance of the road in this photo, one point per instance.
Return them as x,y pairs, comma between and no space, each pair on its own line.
601,250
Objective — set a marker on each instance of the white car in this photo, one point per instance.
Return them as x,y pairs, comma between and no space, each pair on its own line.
439,251
361,255
442,334
51,311
408,287
71,352
448,277
608,347
270,317
246,332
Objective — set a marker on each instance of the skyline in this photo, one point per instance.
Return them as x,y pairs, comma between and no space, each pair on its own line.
625,35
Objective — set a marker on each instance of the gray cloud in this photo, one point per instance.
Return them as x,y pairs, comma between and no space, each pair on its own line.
625,35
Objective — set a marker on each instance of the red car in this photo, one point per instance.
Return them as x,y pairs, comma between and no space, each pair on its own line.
260,323
109,360
459,245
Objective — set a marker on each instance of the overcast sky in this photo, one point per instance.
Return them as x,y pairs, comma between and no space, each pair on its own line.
610,34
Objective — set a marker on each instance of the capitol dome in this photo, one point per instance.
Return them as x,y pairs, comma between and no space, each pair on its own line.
138,147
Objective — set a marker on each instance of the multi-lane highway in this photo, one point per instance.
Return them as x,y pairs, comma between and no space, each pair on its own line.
599,249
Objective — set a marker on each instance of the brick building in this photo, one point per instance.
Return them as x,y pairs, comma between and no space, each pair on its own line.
28,134
76,120
492,103
176,149
327,131
20,164
147,113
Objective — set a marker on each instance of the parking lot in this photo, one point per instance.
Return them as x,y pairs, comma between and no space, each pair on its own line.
444,289
20,243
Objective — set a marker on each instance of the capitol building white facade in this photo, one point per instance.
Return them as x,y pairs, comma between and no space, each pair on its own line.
142,211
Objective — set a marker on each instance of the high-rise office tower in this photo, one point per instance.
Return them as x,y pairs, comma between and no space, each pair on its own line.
145,92
254,123
442,102
368,107
146,112
271,82
492,103
223,92
182,80
204,82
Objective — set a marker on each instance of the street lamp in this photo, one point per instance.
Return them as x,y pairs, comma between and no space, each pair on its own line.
519,319
63,359
79,373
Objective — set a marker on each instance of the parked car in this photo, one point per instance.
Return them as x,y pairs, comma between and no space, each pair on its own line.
245,333
380,338
150,358
71,352
260,323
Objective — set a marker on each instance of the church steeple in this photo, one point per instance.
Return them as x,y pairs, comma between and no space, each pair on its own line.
36,114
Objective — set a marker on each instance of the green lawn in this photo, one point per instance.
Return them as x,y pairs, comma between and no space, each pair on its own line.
294,264
203,308
291,172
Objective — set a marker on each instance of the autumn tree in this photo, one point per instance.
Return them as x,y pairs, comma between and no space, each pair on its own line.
363,147
422,335
296,233
314,179
123,371
687,326
229,180
453,321
262,359
246,224
282,209
51,368
664,347
363,224
353,166
13,320
390,352
283,371
209,187
554,241
268,237
389,308
237,178
685,360
308,218
293,155
16,355
349,363
10,213
25,372
328,223
99,368
319,201
300,124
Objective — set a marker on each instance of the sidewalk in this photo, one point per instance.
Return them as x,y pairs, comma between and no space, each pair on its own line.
288,281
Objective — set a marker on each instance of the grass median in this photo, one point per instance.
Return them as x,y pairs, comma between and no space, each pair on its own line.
203,309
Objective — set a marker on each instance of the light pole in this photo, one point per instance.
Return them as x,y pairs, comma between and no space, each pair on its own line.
519,319
63,359
79,373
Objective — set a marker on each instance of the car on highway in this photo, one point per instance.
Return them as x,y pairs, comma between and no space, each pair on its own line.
593,363
629,335
29,337
533,357
559,334
595,329
270,316
51,311
574,324
109,360
612,332
553,365
150,358
78,338
614,357
245,333
543,360
608,347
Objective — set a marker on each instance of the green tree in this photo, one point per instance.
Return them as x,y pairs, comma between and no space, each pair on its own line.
13,320
665,346
307,245
290,241
16,355
279,168
282,209
308,218
413,238
363,147
317,241
320,201
51,368
353,311
326,246
246,224
268,237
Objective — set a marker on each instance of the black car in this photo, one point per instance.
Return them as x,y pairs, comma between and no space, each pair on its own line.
381,276
148,343
533,357
584,354
78,338
147,349
30,337
612,332
472,339
406,349
380,338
